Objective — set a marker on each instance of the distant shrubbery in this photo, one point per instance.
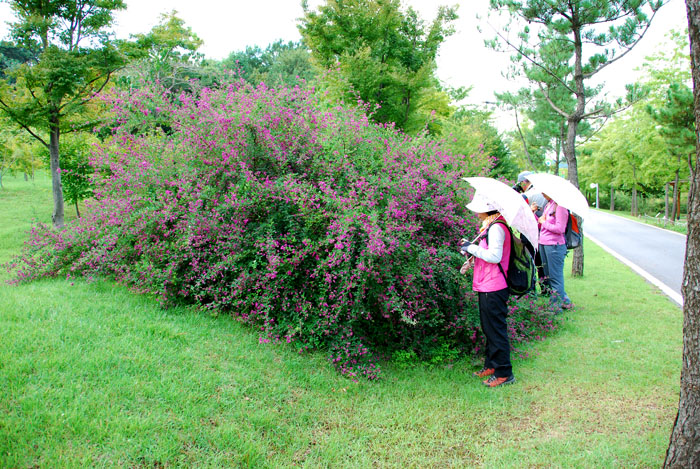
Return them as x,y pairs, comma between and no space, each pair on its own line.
310,223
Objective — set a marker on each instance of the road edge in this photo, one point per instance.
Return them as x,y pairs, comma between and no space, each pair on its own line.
641,223
665,289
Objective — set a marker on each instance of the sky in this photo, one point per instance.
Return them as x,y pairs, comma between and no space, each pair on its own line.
463,60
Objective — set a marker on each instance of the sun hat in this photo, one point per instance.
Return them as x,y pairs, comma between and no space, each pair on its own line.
480,204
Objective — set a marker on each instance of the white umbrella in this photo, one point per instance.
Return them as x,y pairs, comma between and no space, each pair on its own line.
561,191
510,204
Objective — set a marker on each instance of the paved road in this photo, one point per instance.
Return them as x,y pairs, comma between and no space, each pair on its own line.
660,253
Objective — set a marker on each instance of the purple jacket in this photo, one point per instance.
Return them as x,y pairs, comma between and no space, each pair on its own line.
487,276
554,226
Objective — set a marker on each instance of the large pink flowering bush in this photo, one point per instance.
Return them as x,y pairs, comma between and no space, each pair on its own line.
310,223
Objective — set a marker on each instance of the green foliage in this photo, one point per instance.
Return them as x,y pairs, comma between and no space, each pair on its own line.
670,63
75,60
76,172
279,64
18,152
169,40
655,136
167,55
469,131
628,154
386,55
12,56
676,118
562,45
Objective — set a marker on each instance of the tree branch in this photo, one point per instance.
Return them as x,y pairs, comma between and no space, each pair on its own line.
19,122
590,74
533,61
551,103
83,91
690,165
594,112
522,137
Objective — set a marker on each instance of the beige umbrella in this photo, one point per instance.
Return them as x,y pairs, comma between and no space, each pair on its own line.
509,203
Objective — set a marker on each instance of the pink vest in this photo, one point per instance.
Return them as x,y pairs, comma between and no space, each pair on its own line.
487,276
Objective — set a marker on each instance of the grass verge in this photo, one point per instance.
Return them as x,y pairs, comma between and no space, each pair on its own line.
94,375
659,223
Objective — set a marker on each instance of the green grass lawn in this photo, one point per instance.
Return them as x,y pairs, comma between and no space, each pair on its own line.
92,375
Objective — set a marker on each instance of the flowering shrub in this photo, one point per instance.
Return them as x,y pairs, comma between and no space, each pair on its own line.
308,222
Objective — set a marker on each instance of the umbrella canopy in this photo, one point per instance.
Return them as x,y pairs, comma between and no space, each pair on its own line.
561,191
509,203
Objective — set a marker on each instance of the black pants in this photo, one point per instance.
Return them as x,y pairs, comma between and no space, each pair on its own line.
493,311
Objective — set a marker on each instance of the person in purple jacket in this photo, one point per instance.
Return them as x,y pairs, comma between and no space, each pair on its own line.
553,251
492,247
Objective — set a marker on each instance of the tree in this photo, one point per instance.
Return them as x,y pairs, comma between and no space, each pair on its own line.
12,56
167,54
629,154
677,122
279,64
469,131
597,33
75,61
76,171
684,445
669,64
386,55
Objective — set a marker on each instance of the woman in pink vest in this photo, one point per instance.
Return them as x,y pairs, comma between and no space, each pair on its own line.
491,248
553,251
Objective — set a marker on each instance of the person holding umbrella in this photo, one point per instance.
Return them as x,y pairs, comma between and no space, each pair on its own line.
553,251
561,197
495,201
491,248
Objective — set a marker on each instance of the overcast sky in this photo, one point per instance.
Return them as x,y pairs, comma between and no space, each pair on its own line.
227,26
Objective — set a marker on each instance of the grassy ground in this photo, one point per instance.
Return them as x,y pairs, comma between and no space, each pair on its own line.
93,375
678,227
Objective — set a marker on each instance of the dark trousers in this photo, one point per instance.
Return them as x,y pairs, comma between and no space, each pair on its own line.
493,311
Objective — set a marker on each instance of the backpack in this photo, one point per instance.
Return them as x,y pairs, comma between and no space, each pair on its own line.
521,266
574,233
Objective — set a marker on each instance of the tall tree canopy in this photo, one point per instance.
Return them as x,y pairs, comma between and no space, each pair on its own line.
595,34
628,153
75,60
387,55
167,54
279,64
677,125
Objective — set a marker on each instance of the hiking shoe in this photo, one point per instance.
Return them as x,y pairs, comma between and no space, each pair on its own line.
567,305
484,372
494,382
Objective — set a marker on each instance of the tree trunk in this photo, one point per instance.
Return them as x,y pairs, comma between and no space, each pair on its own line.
560,142
612,198
570,153
684,445
665,203
77,209
58,216
675,209
572,123
634,201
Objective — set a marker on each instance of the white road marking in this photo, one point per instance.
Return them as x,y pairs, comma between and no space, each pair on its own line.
668,291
